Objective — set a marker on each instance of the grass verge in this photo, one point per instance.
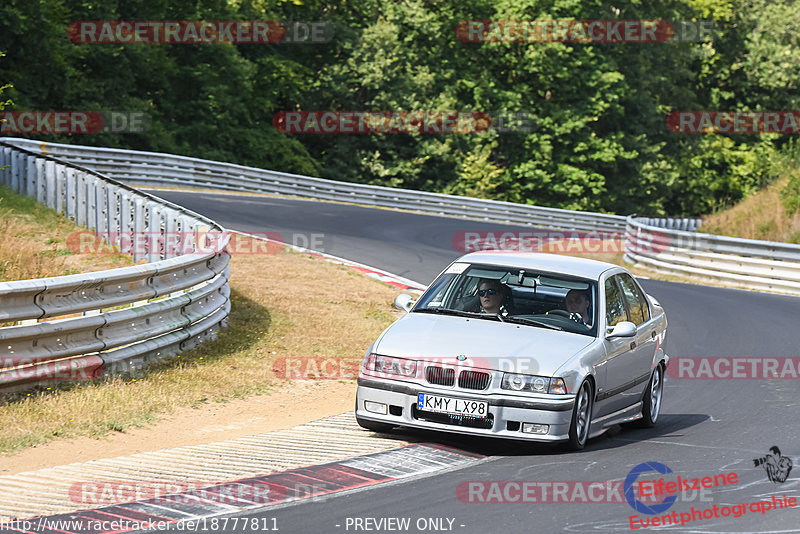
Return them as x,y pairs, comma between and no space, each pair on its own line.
34,243
771,214
759,216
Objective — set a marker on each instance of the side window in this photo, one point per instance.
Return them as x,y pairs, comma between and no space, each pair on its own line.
464,295
435,294
637,305
615,308
470,286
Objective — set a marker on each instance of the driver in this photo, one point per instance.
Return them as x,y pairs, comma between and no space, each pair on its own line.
493,297
578,302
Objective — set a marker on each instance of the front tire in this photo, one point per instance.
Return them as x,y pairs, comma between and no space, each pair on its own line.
581,417
651,405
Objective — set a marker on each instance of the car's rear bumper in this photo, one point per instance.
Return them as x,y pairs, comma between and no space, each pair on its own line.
507,414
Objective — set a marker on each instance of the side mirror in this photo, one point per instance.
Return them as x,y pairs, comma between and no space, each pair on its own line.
404,302
623,329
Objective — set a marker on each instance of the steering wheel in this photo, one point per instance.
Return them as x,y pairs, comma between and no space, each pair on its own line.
563,313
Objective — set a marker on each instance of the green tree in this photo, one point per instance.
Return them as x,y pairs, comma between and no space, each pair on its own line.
4,103
600,140
478,175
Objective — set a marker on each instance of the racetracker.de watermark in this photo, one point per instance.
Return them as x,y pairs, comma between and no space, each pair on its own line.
461,365
558,492
95,493
20,368
562,242
180,243
73,122
402,122
323,368
734,368
316,368
734,122
198,32
583,31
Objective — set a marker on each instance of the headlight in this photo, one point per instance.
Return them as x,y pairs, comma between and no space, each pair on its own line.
391,366
515,382
536,384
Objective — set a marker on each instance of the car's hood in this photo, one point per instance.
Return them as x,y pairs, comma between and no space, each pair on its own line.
486,344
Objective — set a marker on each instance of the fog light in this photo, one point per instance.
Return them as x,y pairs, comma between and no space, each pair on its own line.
376,407
533,428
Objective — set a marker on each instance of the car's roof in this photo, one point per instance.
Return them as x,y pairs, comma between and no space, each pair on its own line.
539,261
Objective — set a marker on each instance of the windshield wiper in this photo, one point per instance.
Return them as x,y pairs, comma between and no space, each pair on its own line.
532,322
461,313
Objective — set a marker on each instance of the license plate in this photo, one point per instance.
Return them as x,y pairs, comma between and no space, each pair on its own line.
452,406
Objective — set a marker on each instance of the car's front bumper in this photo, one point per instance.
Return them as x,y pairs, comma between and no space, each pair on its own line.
508,413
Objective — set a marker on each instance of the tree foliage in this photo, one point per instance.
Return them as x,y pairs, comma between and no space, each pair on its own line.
599,142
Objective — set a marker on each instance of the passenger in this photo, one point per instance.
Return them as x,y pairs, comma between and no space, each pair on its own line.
494,297
577,301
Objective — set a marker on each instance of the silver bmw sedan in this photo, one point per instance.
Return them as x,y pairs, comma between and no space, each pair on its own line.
529,346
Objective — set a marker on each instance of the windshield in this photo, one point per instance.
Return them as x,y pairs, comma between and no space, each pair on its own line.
509,294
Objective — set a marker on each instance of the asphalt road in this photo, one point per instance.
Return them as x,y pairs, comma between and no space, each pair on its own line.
706,426
410,245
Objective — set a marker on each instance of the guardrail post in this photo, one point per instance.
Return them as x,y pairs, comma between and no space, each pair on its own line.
126,223
5,156
155,230
170,234
16,171
80,198
70,196
201,241
40,180
112,214
139,227
61,179
30,176
50,184
187,232
97,195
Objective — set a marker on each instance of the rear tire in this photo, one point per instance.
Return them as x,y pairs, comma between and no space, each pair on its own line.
651,404
581,417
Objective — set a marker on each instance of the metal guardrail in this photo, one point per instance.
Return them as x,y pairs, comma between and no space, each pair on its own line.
168,305
154,169
748,263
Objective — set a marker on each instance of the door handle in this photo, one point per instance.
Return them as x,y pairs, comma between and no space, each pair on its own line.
653,334
633,345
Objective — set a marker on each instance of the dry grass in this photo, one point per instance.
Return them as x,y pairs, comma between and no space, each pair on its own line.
34,242
760,216
284,304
